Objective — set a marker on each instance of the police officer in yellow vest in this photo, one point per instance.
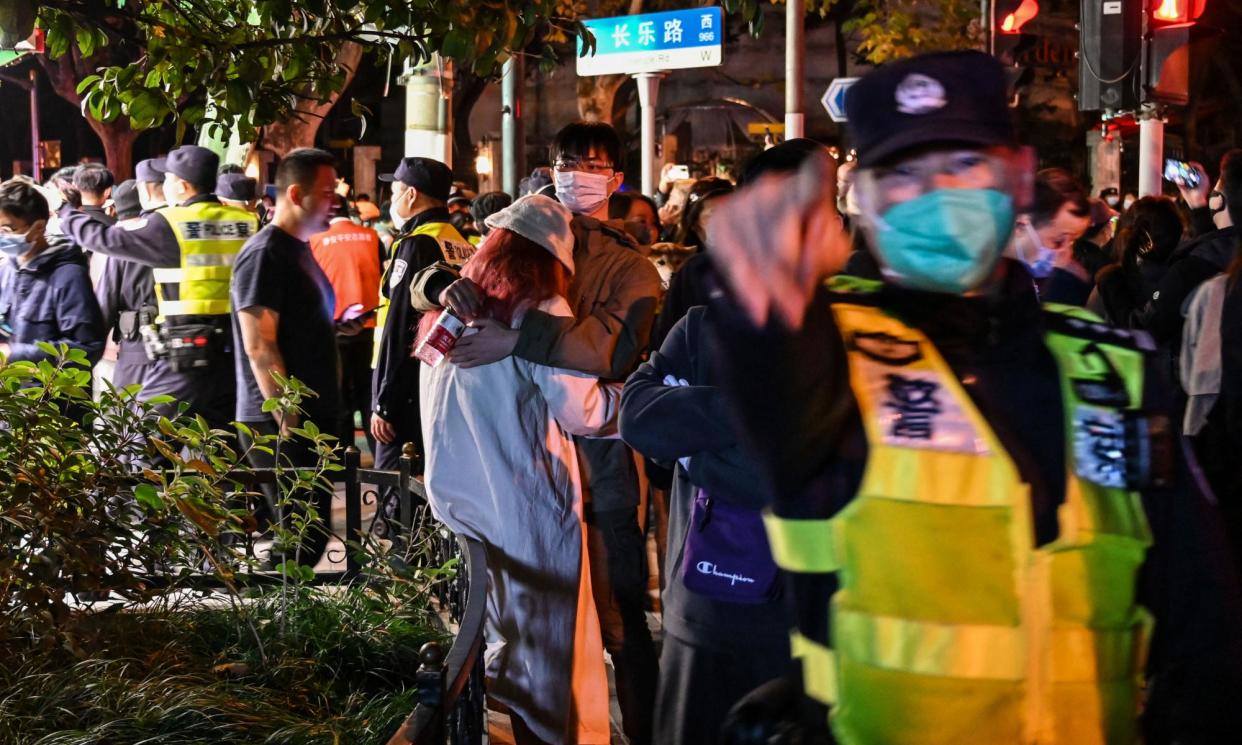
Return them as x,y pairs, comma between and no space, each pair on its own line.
190,245
419,213
977,501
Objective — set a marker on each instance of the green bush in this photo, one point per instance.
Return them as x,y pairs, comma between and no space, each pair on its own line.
106,499
342,671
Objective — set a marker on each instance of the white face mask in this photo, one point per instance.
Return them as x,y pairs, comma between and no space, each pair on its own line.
581,192
394,214
172,191
146,200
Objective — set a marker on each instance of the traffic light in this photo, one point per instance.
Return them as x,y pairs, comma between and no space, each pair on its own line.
1166,63
1013,21
1010,43
1136,52
1109,54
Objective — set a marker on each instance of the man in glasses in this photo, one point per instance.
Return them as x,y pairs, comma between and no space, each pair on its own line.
614,293
960,488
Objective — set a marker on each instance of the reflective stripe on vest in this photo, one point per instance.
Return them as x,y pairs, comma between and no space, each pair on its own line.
210,235
453,248
950,625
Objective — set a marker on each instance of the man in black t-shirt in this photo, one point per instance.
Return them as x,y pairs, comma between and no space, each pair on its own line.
282,313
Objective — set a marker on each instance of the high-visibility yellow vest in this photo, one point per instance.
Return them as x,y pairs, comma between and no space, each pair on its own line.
455,251
210,235
950,624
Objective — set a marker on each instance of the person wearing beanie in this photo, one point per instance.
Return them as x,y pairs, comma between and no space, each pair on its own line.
189,245
959,482
499,435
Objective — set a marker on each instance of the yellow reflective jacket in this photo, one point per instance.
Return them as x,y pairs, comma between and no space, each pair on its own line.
950,624
210,236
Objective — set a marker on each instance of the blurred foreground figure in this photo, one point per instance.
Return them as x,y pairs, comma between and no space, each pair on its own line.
979,501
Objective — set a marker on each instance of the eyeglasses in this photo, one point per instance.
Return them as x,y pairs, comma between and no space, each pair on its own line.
581,164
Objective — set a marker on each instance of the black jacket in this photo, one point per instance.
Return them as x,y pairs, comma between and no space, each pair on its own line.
125,288
1192,264
666,423
792,393
396,373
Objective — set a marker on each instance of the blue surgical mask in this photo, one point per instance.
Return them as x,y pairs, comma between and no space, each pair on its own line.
1040,263
14,245
947,240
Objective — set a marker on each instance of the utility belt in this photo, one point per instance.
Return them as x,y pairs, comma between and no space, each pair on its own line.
129,323
186,346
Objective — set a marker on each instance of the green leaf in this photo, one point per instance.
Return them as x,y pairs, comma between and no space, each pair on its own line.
457,43
148,497
87,82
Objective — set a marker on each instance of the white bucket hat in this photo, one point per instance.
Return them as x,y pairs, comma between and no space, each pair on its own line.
542,220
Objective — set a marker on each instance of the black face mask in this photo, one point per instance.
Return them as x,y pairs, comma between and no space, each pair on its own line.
640,231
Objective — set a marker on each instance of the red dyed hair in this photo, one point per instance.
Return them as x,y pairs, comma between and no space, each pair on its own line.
515,274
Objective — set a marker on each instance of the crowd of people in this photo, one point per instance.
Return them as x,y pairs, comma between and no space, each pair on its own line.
927,443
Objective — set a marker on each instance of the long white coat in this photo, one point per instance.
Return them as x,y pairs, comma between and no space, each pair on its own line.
501,467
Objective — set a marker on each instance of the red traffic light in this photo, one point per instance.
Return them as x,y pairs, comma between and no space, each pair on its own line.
1013,23
1173,11
1176,11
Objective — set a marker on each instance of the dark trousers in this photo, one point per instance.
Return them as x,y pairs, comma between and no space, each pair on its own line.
618,555
699,685
355,353
408,429
210,392
296,453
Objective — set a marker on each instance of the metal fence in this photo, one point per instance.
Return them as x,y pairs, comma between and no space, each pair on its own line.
451,698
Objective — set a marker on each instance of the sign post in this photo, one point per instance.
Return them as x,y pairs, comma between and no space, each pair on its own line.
834,98
646,46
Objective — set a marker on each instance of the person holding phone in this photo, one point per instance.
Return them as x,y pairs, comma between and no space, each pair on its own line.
350,255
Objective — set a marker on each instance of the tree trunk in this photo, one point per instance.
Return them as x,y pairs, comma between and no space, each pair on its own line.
596,96
300,128
118,142
117,136
467,89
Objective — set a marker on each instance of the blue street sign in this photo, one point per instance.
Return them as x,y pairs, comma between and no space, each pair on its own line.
834,98
652,42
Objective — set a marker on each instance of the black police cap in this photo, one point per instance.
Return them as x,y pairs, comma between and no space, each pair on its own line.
941,98
236,186
428,175
151,170
194,164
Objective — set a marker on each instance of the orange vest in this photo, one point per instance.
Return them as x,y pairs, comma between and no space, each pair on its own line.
349,254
